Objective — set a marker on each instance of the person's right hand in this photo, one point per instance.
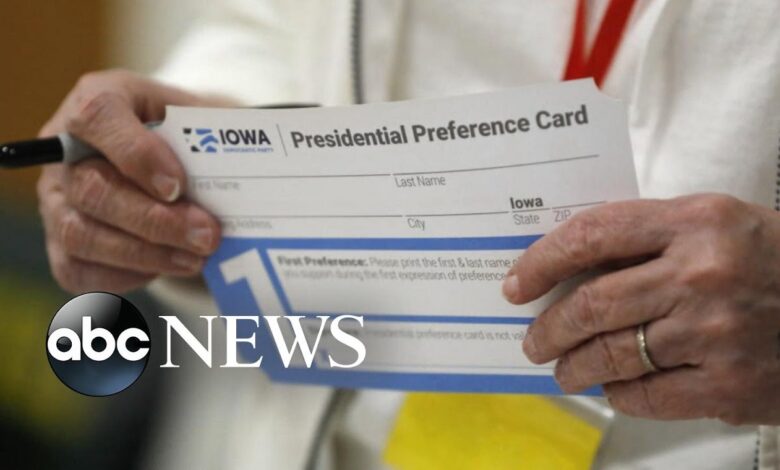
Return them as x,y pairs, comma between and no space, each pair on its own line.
114,224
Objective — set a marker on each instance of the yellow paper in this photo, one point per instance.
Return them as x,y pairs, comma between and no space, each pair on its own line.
467,431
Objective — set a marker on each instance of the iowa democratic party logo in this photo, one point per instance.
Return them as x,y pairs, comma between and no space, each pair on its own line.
201,140
208,140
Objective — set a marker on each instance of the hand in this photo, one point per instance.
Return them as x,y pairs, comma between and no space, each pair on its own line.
703,272
114,224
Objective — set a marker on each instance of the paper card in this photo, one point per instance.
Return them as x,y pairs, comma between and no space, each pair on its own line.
407,214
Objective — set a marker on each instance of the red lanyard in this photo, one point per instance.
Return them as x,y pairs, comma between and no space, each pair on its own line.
605,46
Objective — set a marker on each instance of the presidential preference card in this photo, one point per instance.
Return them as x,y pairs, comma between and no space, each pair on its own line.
407,214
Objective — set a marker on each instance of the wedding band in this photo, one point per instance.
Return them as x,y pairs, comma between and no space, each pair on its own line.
643,354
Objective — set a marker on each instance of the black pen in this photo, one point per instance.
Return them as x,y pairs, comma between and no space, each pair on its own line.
58,149
64,148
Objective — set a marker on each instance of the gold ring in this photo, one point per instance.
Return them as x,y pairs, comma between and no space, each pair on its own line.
643,354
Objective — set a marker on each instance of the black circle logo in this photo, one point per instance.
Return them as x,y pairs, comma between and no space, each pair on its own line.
98,344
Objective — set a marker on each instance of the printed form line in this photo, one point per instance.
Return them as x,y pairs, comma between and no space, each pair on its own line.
583,204
372,175
313,216
388,216
458,214
499,167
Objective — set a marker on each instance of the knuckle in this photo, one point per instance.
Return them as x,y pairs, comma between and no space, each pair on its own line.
582,238
721,326
158,221
713,268
92,82
89,188
132,253
89,79
91,108
608,356
133,152
713,210
72,232
584,315
117,75
722,208
141,146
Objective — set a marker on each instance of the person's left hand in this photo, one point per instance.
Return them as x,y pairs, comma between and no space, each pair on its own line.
702,272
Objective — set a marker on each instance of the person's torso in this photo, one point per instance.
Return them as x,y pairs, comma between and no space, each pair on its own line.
702,86
701,81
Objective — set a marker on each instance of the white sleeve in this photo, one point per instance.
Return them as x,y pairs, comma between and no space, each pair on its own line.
243,49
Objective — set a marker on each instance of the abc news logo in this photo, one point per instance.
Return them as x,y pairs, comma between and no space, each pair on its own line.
98,344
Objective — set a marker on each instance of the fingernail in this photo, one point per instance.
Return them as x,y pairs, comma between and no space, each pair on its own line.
529,346
186,261
562,375
511,287
167,188
562,382
201,238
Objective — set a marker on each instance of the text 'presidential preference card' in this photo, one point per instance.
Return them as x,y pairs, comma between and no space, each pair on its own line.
407,214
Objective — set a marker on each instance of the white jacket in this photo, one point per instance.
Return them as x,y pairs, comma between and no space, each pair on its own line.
701,79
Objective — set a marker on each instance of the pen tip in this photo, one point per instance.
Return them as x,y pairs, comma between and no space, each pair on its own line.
30,152
8,155
6,151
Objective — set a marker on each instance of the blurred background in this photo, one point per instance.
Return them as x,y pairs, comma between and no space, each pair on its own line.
44,47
